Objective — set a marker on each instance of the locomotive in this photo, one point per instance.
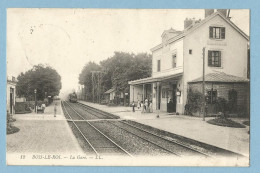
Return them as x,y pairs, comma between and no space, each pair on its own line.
73,98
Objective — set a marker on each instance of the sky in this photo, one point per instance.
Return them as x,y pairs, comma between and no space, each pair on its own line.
67,39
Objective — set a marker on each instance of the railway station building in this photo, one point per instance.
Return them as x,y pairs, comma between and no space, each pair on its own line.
10,94
177,64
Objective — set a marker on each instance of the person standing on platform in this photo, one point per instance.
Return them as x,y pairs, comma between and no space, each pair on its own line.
142,106
138,104
146,105
55,109
133,105
170,105
43,107
151,107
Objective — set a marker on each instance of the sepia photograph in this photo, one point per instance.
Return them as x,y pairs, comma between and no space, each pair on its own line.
127,87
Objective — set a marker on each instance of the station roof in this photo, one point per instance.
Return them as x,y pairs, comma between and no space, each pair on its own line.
220,77
199,24
153,79
110,91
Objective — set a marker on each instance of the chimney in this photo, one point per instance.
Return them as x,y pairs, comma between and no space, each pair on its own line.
187,22
223,11
208,12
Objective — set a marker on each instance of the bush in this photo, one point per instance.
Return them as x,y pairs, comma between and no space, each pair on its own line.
225,122
10,128
9,118
194,103
242,111
22,107
247,123
222,115
221,105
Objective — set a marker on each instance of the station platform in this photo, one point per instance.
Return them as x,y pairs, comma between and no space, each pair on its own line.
41,133
233,139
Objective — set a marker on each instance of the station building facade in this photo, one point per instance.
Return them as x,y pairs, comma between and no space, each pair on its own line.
177,63
10,94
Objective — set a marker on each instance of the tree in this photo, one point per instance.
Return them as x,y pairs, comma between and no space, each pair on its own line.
124,67
119,78
85,78
40,77
117,71
141,67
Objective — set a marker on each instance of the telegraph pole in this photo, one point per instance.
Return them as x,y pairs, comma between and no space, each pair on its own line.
203,84
101,75
93,94
98,85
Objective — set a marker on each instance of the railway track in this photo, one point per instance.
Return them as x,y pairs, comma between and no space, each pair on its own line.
169,146
98,141
97,113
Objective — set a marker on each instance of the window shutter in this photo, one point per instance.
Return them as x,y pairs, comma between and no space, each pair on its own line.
219,61
209,58
210,32
222,33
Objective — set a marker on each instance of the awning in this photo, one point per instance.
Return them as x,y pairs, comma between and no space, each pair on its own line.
153,79
220,77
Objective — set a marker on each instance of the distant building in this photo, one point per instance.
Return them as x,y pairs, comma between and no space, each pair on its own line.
177,64
10,94
112,94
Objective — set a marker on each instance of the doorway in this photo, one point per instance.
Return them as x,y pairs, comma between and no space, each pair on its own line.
174,98
171,99
159,98
11,100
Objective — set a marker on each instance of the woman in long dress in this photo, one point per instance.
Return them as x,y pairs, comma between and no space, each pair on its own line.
138,104
142,106
146,105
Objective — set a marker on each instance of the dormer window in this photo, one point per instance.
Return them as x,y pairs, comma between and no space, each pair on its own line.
165,40
217,32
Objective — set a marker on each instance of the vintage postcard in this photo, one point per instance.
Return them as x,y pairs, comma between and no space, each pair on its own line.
128,87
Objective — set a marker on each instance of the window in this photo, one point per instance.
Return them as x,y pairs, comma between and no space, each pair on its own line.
190,51
158,65
211,96
217,32
174,61
214,58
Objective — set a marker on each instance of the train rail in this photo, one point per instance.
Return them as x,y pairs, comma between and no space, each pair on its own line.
98,141
170,146
98,113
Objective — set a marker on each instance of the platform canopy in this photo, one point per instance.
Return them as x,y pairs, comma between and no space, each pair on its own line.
220,77
153,79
